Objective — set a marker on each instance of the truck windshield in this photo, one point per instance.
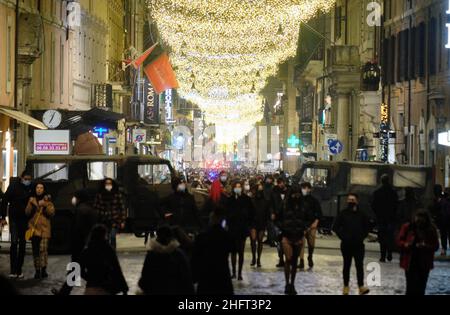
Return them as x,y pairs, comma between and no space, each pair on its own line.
318,177
155,174
102,170
51,172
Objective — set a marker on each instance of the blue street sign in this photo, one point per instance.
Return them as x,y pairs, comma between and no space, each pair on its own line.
335,146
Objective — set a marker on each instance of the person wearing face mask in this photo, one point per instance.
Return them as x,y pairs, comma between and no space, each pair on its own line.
277,206
239,210
352,228
258,225
225,184
418,241
180,209
313,212
40,209
293,227
111,208
13,205
85,219
248,189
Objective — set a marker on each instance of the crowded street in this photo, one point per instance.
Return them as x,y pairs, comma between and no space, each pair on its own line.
323,280
224,148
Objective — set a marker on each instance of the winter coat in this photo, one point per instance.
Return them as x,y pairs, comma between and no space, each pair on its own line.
239,210
407,240
40,217
440,211
85,219
352,227
384,205
406,209
146,206
278,202
210,265
295,220
14,202
166,271
184,211
261,212
312,208
111,209
101,269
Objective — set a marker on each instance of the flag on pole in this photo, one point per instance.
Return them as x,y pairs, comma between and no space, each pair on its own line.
140,60
161,74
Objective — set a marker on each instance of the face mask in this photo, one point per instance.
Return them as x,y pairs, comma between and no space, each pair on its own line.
305,192
223,179
74,201
108,187
26,183
247,187
351,205
238,191
182,188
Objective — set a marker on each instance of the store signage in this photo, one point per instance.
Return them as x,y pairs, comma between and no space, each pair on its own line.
448,27
139,135
151,101
51,142
293,152
168,101
293,142
100,131
384,133
102,95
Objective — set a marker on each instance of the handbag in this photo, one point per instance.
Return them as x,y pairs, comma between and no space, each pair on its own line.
30,232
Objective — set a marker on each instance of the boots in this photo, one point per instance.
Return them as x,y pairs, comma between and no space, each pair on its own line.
363,291
310,258
44,273
37,274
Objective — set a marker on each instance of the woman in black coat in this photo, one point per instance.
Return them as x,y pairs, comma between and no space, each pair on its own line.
100,266
258,223
238,214
166,269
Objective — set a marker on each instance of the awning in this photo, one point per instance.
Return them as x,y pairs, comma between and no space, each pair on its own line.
22,117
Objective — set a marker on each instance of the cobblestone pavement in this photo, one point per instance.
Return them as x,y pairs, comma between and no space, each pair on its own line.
324,279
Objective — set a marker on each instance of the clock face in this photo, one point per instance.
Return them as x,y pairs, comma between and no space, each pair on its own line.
52,119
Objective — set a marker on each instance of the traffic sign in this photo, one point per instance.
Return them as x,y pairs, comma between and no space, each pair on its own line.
335,146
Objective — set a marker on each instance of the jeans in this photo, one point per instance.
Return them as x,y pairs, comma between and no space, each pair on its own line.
18,245
352,251
112,237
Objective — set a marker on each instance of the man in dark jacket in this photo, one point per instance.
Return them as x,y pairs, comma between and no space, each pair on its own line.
210,265
384,205
180,209
313,212
166,269
279,197
13,205
352,228
440,211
